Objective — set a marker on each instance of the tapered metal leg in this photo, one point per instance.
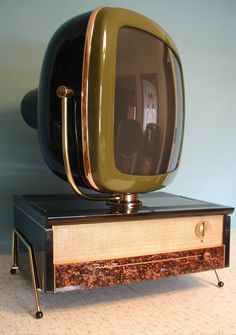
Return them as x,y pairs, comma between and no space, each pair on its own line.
33,268
14,253
220,283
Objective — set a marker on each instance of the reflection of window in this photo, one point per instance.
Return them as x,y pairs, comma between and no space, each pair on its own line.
149,103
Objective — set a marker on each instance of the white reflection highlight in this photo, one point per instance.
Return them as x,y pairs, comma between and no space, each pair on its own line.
104,45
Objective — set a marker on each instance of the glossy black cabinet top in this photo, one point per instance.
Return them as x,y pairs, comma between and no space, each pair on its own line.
46,209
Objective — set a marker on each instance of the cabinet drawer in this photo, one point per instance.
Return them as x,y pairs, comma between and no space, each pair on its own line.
87,275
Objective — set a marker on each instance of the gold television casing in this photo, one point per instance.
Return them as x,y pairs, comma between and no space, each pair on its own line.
100,131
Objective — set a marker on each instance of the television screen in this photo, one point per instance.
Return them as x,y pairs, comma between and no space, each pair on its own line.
148,105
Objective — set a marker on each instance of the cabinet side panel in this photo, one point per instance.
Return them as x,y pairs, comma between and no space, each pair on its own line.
48,266
226,239
34,233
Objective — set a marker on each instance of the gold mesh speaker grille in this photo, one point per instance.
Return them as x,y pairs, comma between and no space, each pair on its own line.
107,240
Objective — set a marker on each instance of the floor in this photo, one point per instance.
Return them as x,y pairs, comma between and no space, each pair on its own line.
189,304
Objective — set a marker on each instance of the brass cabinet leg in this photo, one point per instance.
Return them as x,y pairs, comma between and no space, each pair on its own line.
33,268
220,283
14,253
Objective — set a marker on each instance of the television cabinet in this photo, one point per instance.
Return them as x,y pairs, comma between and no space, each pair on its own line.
73,243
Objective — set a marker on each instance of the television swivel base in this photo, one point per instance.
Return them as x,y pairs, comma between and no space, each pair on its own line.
64,243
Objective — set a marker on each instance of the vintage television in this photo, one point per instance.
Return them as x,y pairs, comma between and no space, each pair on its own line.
109,109
109,112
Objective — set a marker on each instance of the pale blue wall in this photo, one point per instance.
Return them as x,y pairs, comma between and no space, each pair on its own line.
204,32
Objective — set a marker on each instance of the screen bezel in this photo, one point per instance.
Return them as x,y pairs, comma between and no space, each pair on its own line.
100,103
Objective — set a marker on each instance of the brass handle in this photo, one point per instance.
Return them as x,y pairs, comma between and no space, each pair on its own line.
64,93
207,256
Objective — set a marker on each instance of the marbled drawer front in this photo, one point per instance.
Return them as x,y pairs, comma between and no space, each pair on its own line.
86,275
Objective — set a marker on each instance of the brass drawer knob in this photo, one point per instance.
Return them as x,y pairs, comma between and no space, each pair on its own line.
207,256
201,229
